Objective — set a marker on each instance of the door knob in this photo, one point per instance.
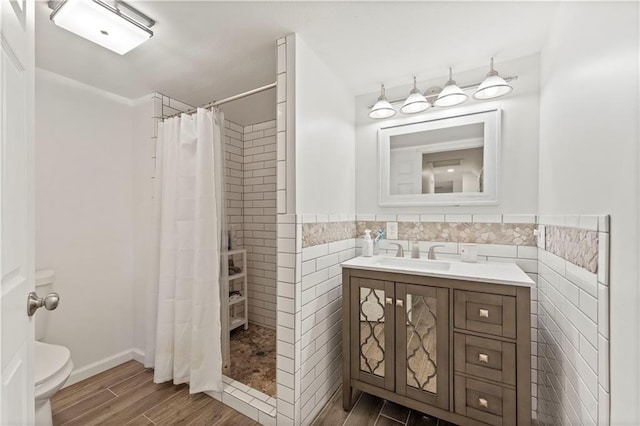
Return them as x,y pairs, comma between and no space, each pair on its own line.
50,302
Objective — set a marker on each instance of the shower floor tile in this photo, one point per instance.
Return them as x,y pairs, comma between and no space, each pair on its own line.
253,358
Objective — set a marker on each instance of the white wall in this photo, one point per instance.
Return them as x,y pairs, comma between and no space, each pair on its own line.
325,185
589,158
142,152
84,222
324,134
519,153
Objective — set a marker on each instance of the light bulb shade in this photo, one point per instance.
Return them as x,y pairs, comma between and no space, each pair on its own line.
382,109
493,86
98,22
451,95
415,103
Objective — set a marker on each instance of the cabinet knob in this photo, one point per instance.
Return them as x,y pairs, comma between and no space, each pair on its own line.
483,358
484,313
483,403
400,303
389,301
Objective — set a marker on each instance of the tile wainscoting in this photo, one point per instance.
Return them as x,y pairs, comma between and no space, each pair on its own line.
573,338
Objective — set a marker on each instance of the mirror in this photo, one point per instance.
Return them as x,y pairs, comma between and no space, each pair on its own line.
451,160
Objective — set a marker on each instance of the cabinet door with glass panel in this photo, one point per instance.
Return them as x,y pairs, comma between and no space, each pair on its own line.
400,339
422,343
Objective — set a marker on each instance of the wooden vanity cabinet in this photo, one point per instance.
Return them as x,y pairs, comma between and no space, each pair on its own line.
458,350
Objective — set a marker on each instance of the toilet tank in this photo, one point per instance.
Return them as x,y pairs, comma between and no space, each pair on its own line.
44,286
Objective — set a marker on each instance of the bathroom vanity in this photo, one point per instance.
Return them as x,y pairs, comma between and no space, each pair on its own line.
449,339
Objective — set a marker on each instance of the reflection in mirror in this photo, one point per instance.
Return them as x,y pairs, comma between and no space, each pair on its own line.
438,161
445,161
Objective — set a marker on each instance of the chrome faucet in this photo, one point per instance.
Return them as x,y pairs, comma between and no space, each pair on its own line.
432,253
400,252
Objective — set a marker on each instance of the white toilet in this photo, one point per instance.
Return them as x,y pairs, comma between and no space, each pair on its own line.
52,362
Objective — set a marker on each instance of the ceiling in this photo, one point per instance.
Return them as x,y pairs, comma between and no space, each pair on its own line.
206,50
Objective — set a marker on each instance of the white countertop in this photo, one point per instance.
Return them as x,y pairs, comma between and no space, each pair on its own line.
486,272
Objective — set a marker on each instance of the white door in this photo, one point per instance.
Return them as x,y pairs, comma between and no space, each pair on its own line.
406,172
16,210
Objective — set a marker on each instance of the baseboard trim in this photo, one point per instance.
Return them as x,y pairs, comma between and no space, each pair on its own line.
138,355
104,364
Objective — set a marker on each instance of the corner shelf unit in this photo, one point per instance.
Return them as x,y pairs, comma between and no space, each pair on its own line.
238,317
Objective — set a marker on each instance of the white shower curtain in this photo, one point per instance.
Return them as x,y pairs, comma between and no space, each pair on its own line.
187,338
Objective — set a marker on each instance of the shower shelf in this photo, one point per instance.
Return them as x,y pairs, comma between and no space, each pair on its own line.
237,316
238,300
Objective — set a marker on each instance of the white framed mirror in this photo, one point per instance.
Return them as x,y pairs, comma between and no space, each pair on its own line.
442,161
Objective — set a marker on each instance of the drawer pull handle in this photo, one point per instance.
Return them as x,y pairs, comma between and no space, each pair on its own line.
483,403
400,303
483,358
389,301
484,313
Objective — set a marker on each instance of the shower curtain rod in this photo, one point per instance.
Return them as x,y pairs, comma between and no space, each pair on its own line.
225,100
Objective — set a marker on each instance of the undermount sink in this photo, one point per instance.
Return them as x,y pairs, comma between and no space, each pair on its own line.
413,264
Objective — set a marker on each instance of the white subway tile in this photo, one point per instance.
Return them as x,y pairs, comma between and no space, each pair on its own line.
572,221
589,353
315,251
587,327
281,114
603,258
603,362
603,310
450,248
266,418
584,279
603,407
431,218
527,252
281,150
366,217
386,218
240,406
589,222
603,223
341,245
286,230
281,67
327,261
519,218
287,260
308,267
487,218
457,218
408,218
555,220
286,275
286,409
589,305
287,320
497,250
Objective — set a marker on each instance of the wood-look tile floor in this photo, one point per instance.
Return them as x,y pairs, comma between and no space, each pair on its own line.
126,395
369,410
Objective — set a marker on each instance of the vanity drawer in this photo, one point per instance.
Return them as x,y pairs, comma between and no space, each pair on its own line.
485,402
486,358
485,313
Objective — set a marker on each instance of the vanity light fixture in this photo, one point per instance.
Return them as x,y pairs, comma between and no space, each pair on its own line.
114,25
416,102
382,108
493,86
451,94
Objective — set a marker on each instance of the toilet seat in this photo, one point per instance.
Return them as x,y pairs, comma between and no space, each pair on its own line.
52,364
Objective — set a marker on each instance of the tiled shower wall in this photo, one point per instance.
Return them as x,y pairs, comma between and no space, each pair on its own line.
259,219
573,342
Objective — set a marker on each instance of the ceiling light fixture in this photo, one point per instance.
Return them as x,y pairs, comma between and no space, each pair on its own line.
451,94
416,102
382,108
114,25
493,86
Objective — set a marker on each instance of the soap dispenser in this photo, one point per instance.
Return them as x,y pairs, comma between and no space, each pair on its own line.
367,248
